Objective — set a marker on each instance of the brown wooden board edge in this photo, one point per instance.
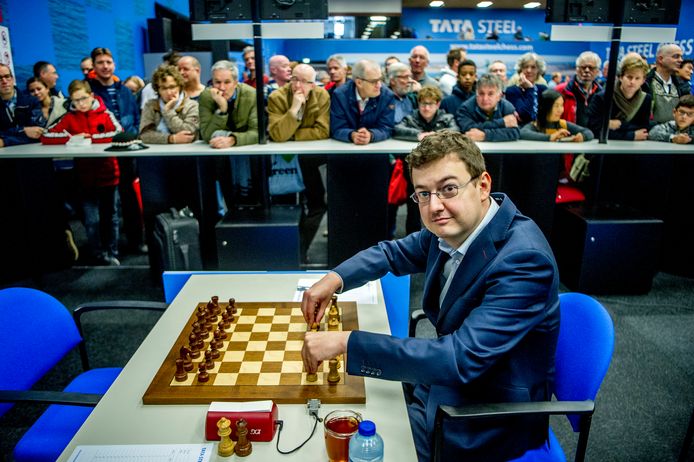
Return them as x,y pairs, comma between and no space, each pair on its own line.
161,392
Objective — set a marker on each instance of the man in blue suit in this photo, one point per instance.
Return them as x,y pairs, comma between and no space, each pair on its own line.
491,292
362,111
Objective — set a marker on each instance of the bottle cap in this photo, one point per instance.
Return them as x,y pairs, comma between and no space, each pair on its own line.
367,428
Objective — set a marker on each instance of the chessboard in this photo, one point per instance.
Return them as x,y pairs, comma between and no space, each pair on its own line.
258,357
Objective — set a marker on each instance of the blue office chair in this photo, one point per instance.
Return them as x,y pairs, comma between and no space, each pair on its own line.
584,352
39,332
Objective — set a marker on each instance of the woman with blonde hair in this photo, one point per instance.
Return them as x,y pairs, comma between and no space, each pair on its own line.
631,108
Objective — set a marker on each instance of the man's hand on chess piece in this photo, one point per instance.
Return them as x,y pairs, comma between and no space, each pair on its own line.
221,142
218,97
316,299
321,346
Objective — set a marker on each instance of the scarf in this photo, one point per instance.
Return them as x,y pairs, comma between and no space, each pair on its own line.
627,108
162,127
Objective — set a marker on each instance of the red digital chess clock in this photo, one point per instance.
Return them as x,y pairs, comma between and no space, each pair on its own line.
259,415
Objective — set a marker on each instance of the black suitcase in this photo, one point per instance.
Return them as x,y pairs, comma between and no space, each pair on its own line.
177,240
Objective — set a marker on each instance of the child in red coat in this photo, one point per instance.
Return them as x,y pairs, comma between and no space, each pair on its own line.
98,176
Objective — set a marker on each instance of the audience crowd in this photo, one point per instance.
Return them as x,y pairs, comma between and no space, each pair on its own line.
360,104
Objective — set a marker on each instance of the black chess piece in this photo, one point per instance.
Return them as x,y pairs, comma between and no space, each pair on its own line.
243,446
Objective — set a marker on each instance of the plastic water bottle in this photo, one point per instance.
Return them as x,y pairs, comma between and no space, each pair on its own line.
366,445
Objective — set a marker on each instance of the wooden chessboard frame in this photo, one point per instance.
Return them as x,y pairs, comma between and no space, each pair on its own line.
349,391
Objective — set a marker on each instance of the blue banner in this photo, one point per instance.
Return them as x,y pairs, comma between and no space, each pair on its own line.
473,24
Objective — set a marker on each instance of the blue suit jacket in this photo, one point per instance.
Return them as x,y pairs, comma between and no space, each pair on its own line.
470,115
378,115
497,330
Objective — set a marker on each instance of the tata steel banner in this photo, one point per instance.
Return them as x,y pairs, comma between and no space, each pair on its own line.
474,24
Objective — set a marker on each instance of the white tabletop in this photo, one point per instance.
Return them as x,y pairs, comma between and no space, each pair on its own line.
121,418
334,147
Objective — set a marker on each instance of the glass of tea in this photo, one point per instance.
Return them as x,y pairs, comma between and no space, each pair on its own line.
339,426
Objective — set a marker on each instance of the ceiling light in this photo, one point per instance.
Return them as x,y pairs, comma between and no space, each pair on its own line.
484,4
436,3
306,60
378,18
531,5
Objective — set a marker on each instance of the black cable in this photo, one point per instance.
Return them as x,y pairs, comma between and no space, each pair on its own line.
279,432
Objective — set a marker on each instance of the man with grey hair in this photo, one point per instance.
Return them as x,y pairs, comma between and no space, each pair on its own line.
578,92
361,111
498,68
526,86
300,111
404,89
337,70
229,117
663,83
419,60
488,117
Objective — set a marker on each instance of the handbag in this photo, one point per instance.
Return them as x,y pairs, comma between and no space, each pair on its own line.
397,188
579,170
285,175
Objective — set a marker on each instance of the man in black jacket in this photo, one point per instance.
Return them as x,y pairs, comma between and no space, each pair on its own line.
21,119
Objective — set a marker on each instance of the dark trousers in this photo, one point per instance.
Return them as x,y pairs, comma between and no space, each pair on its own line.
133,221
101,221
314,199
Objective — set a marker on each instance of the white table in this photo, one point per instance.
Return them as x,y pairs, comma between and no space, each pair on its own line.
121,418
334,147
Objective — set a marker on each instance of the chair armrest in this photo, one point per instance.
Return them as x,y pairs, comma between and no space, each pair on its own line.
584,409
109,305
50,397
489,410
415,317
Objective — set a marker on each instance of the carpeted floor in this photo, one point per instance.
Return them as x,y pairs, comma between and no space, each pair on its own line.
642,409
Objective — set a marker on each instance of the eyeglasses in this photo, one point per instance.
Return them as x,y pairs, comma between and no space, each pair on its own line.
6,77
403,77
682,113
427,103
81,100
447,192
298,80
372,81
587,68
170,87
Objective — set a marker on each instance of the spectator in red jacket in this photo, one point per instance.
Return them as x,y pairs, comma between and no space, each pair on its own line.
577,94
99,176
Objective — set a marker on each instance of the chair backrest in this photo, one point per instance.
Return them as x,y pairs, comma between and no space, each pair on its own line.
396,297
38,331
584,349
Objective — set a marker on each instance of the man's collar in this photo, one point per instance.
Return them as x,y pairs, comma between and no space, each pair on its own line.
359,98
662,79
462,249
